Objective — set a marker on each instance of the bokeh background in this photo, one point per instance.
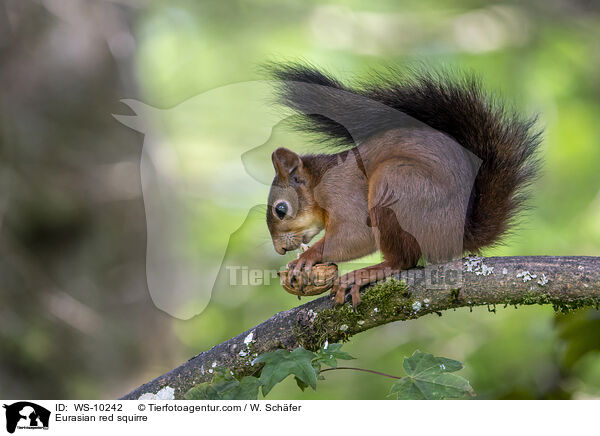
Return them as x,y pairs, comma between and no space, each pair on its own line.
76,318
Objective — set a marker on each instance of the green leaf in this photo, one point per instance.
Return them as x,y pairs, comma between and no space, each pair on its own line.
203,391
328,356
248,389
281,363
225,387
429,378
421,362
300,384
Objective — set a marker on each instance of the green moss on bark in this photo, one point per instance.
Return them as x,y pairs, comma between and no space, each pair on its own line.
378,304
561,305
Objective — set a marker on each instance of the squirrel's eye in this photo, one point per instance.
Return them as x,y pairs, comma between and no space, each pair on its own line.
281,209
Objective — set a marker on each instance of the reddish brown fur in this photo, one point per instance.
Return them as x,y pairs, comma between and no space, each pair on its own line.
440,169
404,192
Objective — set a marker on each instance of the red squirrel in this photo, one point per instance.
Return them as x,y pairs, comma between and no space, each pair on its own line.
422,165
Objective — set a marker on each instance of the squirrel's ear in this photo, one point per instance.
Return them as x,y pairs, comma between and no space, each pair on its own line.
285,162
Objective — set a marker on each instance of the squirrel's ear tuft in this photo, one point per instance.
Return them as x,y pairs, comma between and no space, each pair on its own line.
285,162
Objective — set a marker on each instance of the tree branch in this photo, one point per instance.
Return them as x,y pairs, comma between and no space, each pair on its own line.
565,282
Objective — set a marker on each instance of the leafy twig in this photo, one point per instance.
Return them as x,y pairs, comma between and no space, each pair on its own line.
569,283
363,370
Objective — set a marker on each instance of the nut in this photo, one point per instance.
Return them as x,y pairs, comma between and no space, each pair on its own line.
322,276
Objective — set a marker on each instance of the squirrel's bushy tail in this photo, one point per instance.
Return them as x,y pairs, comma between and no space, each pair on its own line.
504,142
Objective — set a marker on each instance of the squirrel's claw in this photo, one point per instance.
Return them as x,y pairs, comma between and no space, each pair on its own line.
298,267
347,282
343,284
340,295
295,267
355,293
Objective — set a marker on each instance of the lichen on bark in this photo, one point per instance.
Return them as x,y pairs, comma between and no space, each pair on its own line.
566,283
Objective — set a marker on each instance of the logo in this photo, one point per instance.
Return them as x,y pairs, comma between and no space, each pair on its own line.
26,415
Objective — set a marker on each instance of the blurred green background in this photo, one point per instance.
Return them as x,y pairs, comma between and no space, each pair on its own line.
76,318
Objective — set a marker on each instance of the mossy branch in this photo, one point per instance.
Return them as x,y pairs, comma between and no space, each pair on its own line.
565,282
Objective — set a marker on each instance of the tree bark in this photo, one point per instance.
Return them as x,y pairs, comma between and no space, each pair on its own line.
567,283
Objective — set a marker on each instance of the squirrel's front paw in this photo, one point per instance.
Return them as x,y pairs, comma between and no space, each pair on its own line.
304,262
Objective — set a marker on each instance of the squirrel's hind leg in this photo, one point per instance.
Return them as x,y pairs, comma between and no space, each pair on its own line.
356,279
400,249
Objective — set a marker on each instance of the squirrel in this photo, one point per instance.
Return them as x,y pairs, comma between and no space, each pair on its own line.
420,165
